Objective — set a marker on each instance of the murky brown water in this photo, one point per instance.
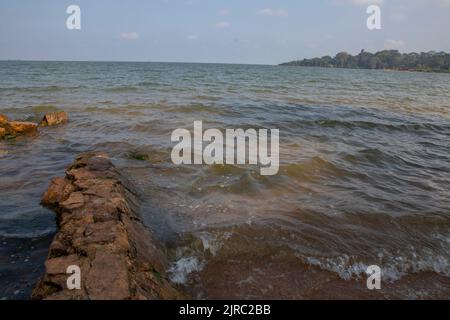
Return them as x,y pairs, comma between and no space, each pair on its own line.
364,176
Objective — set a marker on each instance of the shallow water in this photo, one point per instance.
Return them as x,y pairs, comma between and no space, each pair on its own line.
364,176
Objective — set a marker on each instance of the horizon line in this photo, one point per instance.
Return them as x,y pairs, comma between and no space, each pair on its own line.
137,61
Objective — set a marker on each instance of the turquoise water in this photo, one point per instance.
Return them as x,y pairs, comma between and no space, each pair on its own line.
364,176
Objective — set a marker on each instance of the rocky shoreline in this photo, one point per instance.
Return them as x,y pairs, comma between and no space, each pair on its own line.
99,231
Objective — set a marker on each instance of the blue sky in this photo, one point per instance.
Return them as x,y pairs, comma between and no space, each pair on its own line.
229,31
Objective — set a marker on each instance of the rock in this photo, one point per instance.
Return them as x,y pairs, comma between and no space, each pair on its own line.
5,129
100,231
23,127
116,277
17,128
11,129
2,132
59,191
54,118
59,265
3,119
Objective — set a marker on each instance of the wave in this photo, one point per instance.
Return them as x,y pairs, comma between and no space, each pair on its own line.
193,257
44,108
198,108
207,98
37,234
314,168
121,89
182,268
240,241
37,89
392,270
358,124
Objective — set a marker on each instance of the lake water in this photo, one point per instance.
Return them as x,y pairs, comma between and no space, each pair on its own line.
364,174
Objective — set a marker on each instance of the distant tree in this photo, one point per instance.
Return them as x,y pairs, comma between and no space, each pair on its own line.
341,59
431,61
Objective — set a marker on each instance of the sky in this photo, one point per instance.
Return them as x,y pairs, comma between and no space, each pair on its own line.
222,31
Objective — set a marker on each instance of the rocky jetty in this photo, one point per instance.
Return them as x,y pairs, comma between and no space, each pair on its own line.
101,233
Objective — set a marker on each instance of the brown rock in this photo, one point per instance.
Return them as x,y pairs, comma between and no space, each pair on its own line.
59,190
2,132
57,249
23,127
15,128
101,232
59,265
3,119
75,200
54,118
5,128
108,277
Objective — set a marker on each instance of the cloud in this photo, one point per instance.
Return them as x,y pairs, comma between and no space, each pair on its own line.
129,35
394,44
273,13
222,24
192,37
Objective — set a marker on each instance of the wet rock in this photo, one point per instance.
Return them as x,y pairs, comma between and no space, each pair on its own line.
101,232
3,119
59,190
54,118
12,129
2,132
23,127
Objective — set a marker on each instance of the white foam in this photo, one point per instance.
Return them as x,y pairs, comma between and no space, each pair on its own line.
392,269
180,270
213,243
193,259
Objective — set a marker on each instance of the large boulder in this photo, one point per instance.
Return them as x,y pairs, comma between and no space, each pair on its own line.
54,118
100,231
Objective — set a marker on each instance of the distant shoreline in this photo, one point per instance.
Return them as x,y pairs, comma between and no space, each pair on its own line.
385,70
387,60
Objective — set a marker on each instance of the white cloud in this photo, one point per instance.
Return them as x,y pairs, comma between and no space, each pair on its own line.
129,35
222,24
394,44
273,13
192,37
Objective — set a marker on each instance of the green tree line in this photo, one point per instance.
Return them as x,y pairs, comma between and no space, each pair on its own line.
386,60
